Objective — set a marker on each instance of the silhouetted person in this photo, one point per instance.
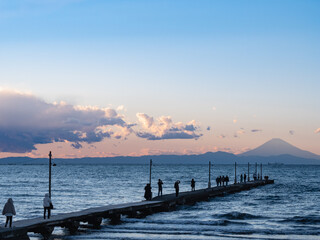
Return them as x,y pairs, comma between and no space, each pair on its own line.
47,205
9,211
160,187
258,176
147,192
245,177
217,181
193,185
176,186
254,176
227,180
223,180
241,178
220,180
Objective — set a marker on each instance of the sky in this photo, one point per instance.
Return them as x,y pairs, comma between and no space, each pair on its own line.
120,77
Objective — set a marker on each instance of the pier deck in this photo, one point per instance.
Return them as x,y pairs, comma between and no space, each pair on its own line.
94,216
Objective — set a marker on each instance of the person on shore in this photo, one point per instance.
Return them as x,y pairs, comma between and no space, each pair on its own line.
160,187
193,185
176,186
227,180
245,178
147,192
9,211
241,178
47,206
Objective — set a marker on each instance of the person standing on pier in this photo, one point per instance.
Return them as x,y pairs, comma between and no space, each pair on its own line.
241,178
245,178
227,180
47,205
9,211
176,186
193,185
160,187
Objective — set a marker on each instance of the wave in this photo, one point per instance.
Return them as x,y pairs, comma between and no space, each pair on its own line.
309,219
239,216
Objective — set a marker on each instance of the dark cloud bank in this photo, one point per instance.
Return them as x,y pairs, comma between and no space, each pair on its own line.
27,120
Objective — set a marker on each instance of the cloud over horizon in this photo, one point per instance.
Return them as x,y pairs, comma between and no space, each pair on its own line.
165,128
27,120
317,131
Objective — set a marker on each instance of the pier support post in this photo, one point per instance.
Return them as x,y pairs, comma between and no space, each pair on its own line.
72,226
248,171
115,218
95,221
44,231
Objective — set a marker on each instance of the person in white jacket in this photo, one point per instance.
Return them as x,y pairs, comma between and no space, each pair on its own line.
47,205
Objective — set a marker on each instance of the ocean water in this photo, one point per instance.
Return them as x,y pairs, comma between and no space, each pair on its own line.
288,209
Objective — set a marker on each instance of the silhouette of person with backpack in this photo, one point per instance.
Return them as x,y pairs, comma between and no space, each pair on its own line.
147,192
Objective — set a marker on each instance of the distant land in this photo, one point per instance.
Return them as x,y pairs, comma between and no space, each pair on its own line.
273,151
276,147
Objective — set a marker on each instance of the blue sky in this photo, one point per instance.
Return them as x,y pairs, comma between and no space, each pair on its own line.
235,66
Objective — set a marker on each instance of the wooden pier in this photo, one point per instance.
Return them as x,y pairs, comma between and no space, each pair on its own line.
94,216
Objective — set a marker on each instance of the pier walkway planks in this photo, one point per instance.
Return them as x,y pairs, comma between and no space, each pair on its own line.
94,216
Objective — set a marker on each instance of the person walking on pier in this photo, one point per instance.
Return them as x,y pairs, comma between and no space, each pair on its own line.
193,185
9,211
47,206
227,180
176,186
223,180
217,181
147,192
160,187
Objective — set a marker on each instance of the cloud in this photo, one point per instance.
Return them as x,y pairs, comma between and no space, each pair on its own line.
256,130
208,128
222,136
27,120
317,131
291,132
165,128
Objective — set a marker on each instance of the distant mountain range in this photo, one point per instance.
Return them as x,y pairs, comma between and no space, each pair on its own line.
273,151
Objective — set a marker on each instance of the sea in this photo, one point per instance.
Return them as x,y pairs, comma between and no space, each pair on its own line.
288,209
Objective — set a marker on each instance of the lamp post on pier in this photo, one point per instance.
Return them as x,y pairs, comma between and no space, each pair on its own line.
50,156
235,172
150,171
209,183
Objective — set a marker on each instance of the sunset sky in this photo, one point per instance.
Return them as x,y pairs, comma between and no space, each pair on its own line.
122,77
